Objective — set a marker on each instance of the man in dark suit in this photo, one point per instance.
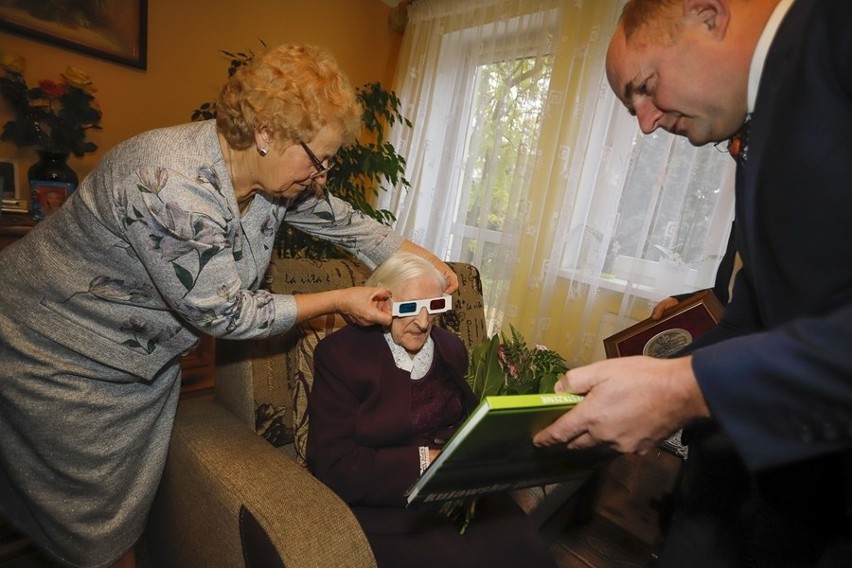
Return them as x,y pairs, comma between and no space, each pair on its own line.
768,406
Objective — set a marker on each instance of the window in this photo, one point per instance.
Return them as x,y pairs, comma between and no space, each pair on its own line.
523,162
651,214
478,137
499,149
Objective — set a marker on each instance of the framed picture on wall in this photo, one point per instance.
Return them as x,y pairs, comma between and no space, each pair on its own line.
115,30
14,198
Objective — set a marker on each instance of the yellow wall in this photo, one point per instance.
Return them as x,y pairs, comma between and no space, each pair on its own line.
185,67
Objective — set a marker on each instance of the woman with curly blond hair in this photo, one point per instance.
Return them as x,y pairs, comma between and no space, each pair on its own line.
167,239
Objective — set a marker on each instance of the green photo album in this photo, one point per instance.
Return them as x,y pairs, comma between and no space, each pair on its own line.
492,451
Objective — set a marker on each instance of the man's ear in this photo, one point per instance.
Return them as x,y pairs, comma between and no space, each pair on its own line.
714,15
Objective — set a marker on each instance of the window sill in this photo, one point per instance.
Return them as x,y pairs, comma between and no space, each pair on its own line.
640,278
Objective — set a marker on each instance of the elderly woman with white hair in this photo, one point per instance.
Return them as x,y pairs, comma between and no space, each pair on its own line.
384,401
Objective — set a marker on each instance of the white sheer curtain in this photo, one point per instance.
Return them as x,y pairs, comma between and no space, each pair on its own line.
522,161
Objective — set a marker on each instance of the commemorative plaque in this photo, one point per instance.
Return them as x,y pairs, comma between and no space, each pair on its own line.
678,327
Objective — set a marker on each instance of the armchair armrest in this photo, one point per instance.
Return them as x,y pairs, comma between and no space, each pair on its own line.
217,469
234,381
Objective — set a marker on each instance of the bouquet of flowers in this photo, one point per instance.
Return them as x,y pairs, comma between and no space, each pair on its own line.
52,116
506,365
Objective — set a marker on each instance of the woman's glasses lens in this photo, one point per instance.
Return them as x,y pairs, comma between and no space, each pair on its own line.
407,308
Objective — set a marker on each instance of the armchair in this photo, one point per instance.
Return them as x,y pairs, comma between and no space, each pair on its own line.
235,491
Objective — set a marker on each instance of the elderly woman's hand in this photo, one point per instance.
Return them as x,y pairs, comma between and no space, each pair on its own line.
452,279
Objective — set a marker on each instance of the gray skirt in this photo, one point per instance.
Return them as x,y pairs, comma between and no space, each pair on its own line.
82,446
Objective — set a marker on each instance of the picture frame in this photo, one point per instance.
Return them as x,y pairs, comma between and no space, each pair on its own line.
115,30
48,196
677,328
14,198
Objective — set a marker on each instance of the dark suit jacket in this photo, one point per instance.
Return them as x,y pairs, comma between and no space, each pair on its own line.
779,379
360,441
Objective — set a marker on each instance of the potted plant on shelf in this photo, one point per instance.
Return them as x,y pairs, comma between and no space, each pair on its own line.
54,117
361,169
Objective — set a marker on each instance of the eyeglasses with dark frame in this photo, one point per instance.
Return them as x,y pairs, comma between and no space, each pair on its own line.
319,168
732,146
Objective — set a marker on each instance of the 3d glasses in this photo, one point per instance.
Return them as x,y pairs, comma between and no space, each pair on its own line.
412,307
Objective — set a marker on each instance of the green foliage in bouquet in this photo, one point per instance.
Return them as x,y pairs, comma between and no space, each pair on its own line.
505,365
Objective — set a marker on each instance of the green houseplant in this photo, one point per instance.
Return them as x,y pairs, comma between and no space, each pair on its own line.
360,171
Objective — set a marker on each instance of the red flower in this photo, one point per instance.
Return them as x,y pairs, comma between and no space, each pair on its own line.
55,115
51,89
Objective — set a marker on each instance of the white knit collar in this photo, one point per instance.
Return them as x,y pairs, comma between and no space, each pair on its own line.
418,365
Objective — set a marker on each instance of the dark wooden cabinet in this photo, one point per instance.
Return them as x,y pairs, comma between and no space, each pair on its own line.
199,365
636,491
13,226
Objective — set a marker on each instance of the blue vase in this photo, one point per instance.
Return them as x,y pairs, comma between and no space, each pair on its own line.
52,181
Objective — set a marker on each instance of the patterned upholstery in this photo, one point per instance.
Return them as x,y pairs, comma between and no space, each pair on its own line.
268,381
226,494
281,397
312,332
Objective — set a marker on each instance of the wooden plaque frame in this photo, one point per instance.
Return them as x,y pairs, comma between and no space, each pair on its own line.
677,328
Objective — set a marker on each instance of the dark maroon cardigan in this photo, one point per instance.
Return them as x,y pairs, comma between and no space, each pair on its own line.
361,441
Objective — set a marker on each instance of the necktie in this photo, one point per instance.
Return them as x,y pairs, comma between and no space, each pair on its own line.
738,145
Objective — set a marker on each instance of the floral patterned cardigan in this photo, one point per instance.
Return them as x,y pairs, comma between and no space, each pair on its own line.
151,251
98,303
